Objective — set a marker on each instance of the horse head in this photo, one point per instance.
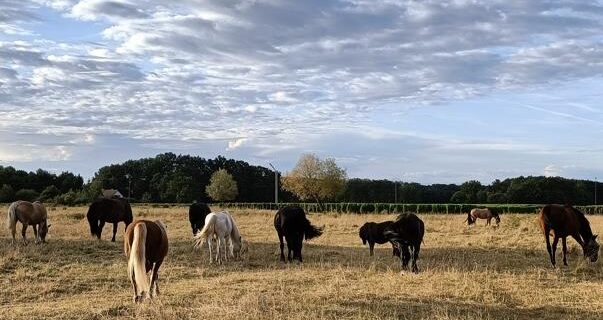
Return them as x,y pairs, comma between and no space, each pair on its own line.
363,233
43,231
496,217
591,249
469,219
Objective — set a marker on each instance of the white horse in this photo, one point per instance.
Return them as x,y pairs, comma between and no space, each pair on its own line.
221,226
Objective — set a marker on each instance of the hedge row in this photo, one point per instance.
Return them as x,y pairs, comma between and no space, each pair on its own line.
392,208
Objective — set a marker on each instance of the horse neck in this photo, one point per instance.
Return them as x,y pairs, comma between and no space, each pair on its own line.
585,230
235,231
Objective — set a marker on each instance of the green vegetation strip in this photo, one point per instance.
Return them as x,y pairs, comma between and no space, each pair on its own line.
360,208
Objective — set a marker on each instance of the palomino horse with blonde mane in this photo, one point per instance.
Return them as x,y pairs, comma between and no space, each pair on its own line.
220,225
29,214
484,213
145,246
562,221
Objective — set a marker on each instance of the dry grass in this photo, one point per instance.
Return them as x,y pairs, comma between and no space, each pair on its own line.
477,273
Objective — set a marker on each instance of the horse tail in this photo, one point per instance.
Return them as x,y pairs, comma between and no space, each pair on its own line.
137,259
207,231
92,217
311,231
11,217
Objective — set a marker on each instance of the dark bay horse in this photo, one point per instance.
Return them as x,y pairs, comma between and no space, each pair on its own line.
29,214
407,232
484,213
292,224
145,246
563,221
112,210
372,232
196,215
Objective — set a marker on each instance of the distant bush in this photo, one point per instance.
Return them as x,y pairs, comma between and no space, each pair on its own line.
26,195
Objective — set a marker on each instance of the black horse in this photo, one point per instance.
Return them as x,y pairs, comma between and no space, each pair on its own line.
406,233
196,215
292,224
372,233
111,210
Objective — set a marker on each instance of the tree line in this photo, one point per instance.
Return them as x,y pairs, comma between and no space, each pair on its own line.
171,178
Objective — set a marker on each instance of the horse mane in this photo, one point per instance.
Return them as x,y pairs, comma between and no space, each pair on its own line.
235,230
585,230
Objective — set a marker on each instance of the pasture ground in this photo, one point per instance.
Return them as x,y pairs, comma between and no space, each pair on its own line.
476,273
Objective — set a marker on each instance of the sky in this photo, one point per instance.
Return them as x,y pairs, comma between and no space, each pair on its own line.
425,91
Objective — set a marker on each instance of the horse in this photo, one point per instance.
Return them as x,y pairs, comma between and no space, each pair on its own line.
111,210
145,246
292,224
372,233
222,226
562,221
407,232
196,215
29,214
482,214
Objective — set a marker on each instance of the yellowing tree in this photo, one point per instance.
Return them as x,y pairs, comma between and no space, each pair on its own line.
315,179
222,187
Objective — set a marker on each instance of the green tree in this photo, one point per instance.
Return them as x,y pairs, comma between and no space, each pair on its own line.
49,193
222,187
7,194
315,179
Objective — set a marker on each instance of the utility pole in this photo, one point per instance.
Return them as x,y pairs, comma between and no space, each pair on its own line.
129,177
395,192
275,183
595,191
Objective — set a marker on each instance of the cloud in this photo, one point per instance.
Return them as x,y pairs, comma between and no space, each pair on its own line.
552,171
213,71
236,143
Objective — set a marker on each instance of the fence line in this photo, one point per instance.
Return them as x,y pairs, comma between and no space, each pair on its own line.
360,208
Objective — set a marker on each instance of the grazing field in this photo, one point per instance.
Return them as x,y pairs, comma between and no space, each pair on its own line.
466,273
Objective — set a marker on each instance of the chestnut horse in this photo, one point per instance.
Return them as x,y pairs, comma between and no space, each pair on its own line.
29,214
145,246
485,213
562,221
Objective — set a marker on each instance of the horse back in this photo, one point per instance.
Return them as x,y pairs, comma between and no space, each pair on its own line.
408,228
156,242
31,213
376,231
560,219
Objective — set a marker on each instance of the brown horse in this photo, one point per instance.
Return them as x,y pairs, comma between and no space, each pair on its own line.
29,214
562,221
482,214
145,246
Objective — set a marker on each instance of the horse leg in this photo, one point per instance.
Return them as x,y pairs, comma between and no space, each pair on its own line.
371,247
35,229
23,229
488,221
209,248
134,287
154,276
114,231
415,256
405,257
554,248
564,250
548,246
282,246
101,224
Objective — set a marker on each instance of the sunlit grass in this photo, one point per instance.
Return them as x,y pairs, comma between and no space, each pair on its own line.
466,273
